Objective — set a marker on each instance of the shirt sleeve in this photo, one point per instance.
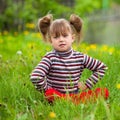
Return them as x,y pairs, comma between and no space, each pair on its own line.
38,75
98,70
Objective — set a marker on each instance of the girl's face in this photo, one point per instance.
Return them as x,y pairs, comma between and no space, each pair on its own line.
63,42
61,36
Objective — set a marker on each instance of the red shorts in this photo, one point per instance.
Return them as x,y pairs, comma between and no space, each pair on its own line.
90,95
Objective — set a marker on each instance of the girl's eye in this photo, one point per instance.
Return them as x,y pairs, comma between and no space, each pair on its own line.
65,35
55,37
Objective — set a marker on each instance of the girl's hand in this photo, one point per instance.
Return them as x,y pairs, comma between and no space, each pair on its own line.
82,86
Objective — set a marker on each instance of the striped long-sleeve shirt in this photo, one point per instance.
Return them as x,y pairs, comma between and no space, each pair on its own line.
62,71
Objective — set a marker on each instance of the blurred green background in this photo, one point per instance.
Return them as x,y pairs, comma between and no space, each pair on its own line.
101,17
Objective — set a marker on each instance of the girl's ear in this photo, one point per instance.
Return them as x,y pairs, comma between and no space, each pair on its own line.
73,37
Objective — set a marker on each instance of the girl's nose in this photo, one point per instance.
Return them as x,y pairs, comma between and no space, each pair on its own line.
61,38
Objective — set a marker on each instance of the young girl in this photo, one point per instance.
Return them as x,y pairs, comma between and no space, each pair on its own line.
58,74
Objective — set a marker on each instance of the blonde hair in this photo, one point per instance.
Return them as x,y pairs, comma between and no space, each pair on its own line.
47,26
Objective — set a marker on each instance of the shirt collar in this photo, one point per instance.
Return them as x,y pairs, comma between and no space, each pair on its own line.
64,54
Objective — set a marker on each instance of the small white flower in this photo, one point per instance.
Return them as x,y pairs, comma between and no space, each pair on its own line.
35,102
19,52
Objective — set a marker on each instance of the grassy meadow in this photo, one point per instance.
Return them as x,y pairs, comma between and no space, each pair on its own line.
19,100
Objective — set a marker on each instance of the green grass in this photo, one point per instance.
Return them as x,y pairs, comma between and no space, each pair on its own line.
20,101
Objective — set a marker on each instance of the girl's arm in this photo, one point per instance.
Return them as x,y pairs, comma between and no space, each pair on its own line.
82,86
97,67
38,75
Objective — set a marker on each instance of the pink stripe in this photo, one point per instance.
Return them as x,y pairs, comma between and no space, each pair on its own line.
66,65
93,65
66,72
44,63
40,69
35,74
88,61
53,56
59,80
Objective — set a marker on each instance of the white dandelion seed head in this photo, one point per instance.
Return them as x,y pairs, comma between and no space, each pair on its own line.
19,52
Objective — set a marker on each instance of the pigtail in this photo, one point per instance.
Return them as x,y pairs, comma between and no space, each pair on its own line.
76,24
43,26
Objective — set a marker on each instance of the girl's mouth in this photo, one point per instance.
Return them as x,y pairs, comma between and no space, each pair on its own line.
62,45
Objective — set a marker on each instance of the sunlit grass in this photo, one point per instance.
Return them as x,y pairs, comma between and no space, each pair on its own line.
20,53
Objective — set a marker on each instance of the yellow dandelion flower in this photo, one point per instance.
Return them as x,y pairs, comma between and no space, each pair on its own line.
118,86
83,45
111,50
104,48
52,115
26,32
38,35
87,48
93,46
75,47
30,25
31,45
